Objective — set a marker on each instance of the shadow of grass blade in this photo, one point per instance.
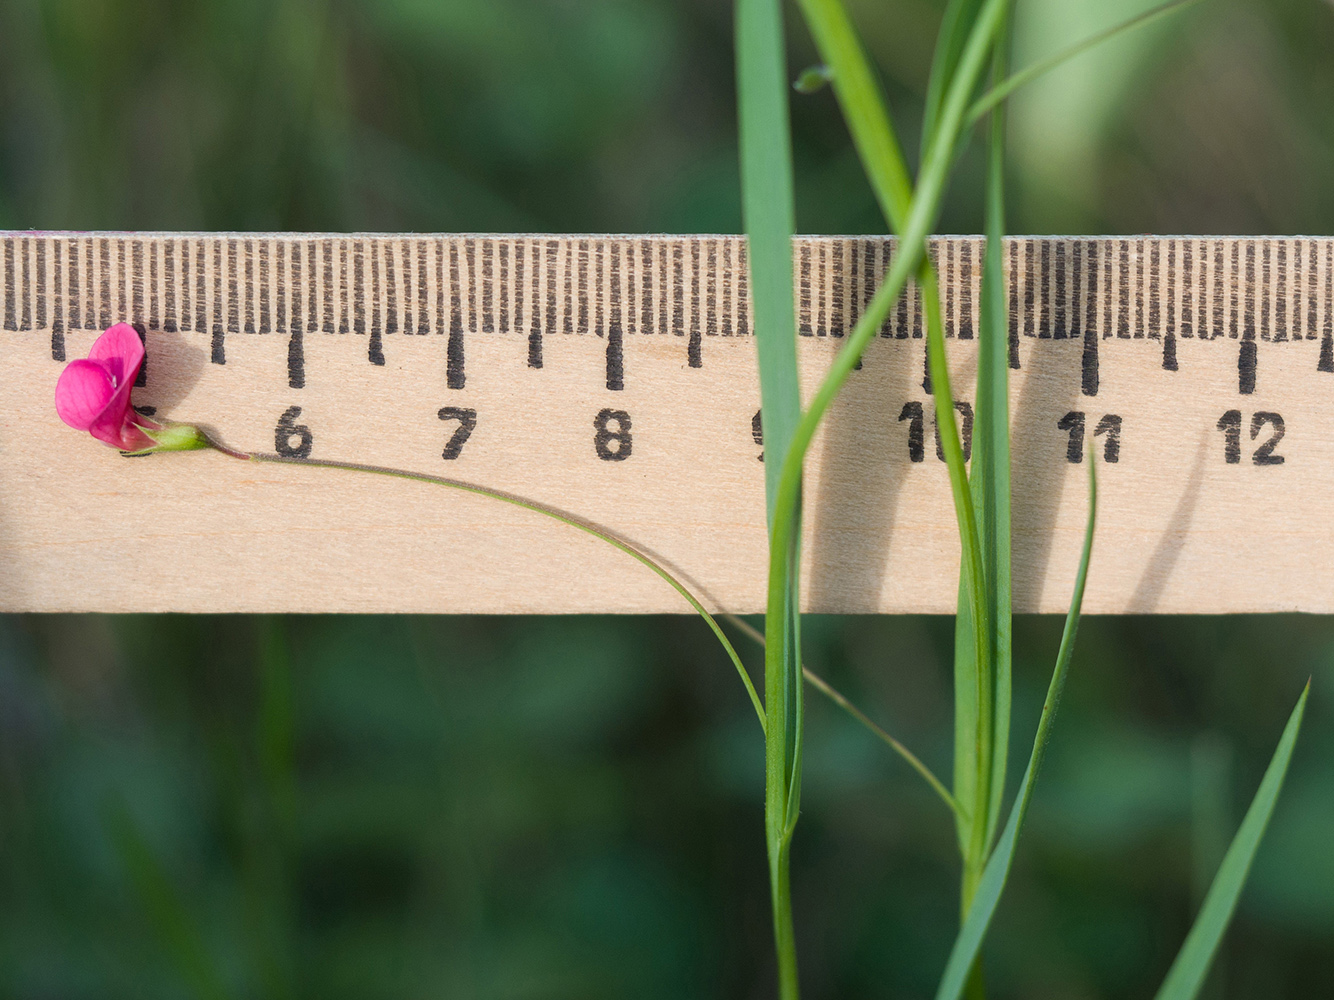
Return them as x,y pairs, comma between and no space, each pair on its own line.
769,212
978,919
1191,966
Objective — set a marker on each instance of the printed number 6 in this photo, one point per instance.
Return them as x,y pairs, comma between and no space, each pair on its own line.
287,430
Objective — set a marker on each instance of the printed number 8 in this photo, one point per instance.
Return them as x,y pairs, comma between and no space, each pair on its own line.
605,436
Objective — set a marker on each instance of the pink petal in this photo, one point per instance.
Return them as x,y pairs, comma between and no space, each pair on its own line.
83,392
121,351
124,435
115,424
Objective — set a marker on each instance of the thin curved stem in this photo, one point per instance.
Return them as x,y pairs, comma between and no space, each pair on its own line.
839,699
538,508
1028,74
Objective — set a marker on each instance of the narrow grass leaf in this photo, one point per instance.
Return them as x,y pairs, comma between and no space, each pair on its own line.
768,207
171,920
769,213
923,211
863,106
973,579
990,482
868,119
1003,89
955,25
966,763
978,919
991,443
1191,966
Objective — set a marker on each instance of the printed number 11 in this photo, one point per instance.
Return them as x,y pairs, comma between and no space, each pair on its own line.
1110,425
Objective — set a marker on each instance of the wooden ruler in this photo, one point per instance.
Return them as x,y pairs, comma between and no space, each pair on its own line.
614,377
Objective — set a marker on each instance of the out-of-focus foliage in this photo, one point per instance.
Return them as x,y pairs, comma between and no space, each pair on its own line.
199,807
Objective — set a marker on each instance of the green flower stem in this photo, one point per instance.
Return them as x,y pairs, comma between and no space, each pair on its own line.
816,681
538,508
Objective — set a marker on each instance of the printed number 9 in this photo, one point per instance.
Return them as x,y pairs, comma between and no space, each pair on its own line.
606,436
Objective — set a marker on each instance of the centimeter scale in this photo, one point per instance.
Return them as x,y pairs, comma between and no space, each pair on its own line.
615,378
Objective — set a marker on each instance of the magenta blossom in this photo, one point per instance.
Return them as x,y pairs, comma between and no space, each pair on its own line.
94,395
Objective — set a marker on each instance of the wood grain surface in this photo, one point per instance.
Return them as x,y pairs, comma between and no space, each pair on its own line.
614,378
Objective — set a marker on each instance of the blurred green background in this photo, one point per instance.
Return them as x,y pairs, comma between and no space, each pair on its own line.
228,807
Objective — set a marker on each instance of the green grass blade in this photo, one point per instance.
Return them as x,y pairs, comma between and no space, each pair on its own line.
166,911
768,209
990,482
1192,963
868,119
955,25
991,444
973,584
1003,89
978,919
863,106
965,733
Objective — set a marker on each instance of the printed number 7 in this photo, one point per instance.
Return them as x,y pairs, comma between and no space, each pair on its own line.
467,419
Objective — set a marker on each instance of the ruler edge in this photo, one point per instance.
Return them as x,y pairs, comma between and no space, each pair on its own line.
663,237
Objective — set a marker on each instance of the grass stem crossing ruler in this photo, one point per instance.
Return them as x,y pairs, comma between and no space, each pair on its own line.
614,378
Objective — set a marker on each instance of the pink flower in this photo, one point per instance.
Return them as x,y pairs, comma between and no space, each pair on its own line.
94,395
